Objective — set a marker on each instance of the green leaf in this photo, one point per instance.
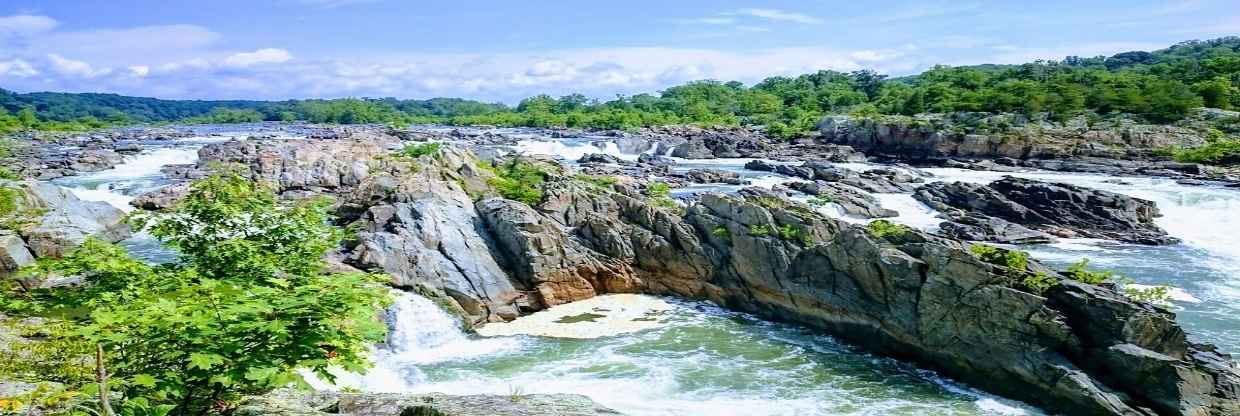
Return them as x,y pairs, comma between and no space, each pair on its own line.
261,373
144,380
204,361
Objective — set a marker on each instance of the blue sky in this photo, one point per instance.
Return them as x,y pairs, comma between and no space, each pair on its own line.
505,50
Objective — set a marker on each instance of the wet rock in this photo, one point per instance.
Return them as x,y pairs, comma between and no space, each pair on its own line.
1059,209
95,160
853,200
653,160
714,176
975,227
693,149
600,158
760,165
292,403
162,198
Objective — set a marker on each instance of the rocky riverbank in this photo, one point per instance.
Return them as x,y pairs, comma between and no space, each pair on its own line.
439,223
436,223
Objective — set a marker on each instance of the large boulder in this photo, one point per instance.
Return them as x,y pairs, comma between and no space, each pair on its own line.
60,221
852,200
548,259
1055,208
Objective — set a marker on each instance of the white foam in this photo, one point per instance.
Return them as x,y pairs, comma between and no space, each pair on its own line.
571,150
600,316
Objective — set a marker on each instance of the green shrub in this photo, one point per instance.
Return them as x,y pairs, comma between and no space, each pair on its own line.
243,310
722,232
416,150
604,182
820,200
519,181
759,230
1155,294
1218,152
658,190
884,229
1078,272
1016,265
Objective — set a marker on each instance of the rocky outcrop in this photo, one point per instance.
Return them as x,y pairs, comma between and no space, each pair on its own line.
54,221
989,136
547,259
1059,209
714,176
301,164
852,200
290,403
416,222
914,296
162,198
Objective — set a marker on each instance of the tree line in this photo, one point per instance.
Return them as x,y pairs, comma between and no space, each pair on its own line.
1160,87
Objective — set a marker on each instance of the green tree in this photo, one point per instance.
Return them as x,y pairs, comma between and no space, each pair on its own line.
246,306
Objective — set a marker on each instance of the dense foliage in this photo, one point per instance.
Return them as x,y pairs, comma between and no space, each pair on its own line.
247,305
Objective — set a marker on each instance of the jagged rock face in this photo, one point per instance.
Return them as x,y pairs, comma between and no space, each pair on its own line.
63,221
418,224
1055,208
296,164
548,259
1076,349
875,180
714,176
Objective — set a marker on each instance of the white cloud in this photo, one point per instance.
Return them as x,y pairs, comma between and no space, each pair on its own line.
258,57
776,14
139,70
73,68
24,25
17,68
119,46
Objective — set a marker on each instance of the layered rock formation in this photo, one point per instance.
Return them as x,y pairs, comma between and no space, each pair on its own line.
988,212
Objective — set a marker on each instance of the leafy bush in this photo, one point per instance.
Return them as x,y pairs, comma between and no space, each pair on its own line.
759,230
597,181
1016,264
722,232
247,304
884,229
1154,294
519,181
416,150
1078,272
820,200
1220,151
659,194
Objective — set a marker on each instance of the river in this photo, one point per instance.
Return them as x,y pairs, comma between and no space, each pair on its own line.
700,359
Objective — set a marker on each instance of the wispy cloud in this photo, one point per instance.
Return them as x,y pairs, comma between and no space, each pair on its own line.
777,15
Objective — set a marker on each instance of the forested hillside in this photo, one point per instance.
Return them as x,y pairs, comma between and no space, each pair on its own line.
1160,86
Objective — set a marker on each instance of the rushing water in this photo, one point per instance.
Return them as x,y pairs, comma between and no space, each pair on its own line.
704,360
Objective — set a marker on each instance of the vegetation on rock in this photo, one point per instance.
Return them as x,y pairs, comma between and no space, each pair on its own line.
518,180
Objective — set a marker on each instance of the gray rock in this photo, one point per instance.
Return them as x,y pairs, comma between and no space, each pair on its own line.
288,403
1059,209
161,198
66,221
13,252
853,200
